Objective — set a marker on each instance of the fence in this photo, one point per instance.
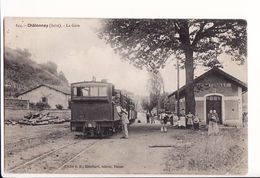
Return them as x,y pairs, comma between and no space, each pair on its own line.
16,103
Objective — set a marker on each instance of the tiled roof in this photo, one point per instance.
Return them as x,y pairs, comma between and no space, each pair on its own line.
63,89
219,72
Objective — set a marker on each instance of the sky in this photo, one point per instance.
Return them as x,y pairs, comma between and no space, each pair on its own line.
74,46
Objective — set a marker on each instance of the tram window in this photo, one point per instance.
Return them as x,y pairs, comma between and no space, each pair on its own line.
90,91
75,91
85,91
94,91
102,91
79,92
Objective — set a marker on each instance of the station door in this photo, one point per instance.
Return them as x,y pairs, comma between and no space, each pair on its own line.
213,102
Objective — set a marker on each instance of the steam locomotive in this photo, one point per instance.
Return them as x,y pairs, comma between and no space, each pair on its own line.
94,108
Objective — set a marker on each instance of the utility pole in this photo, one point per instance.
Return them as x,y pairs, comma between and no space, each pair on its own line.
178,87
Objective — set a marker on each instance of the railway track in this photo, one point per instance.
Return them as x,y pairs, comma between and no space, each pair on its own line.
68,161
54,160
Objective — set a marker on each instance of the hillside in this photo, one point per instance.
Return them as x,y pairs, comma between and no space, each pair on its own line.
22,73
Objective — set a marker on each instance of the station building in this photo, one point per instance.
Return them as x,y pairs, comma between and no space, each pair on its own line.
220,91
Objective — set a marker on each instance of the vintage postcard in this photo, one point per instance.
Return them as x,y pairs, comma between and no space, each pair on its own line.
125,96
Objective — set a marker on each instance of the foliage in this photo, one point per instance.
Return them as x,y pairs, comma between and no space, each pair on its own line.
62,77
155,86
146,104
22,73
39,105
50,66
166,103
151,42
58,106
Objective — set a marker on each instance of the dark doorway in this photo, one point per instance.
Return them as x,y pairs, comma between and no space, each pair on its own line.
213,102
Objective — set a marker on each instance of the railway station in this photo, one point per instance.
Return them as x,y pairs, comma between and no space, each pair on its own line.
98,97
217,90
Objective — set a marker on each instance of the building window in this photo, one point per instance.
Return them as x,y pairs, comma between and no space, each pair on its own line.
44,99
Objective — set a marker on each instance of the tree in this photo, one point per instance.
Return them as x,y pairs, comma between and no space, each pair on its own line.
62,77
151,42
155,83
50,66
167,104
146,105
155,86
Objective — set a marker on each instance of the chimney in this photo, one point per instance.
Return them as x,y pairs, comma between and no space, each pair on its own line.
104,80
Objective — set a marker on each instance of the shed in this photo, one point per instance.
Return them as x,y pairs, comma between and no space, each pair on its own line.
50,94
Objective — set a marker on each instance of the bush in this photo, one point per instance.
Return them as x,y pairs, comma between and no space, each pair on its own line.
58,106
39,106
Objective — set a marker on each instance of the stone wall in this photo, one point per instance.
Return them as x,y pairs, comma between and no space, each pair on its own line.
16,103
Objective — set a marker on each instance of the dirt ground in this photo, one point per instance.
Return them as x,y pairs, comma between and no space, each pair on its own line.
54,149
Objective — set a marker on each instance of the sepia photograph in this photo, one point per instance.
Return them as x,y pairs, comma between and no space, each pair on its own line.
125,96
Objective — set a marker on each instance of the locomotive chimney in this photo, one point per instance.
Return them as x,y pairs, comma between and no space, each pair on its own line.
104,80
94,78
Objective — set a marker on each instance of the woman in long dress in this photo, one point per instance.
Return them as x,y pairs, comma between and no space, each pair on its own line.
175,120
213,125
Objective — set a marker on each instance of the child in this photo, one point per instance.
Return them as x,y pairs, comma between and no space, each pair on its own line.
165,119
196,122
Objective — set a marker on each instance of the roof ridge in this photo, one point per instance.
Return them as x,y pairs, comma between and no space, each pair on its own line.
54,87
212,70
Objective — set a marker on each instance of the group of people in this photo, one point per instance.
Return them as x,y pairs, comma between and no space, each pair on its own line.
182,121
187,121
150,118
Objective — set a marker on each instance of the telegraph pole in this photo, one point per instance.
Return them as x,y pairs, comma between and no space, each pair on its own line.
178,87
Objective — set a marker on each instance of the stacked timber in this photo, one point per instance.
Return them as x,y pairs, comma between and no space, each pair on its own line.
40,118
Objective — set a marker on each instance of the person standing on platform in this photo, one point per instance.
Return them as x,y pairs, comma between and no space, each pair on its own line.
182,120
165,119
125,123
175,120
153,119
196,122
189,118
148,117
182,112
213,125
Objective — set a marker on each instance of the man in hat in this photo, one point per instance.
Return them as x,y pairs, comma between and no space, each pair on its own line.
125,121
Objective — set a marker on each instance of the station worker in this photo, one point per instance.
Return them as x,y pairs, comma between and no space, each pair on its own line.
125,122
